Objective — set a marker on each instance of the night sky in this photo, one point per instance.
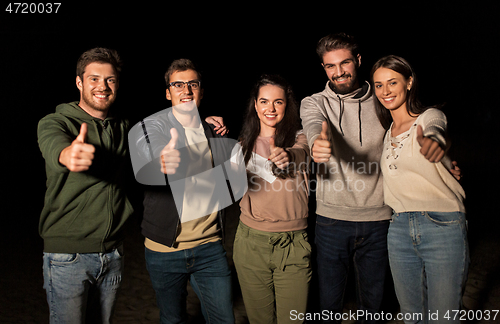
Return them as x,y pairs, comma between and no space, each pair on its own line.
454,50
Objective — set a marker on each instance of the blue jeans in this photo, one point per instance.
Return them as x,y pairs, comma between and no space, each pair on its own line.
208,271
429,257
336,243
82,287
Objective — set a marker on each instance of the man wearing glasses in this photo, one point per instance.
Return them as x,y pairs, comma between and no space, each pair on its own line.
183,236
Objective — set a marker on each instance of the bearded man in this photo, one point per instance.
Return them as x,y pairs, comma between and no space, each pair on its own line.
352,220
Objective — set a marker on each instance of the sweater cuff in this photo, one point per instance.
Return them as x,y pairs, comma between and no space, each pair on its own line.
436,132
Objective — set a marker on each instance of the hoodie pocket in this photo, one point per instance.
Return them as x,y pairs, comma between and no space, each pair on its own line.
90,217
77,214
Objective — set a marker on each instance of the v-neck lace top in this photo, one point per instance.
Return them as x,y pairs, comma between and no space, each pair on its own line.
411,182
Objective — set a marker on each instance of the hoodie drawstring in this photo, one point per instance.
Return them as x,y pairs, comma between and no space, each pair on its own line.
342,108
340,115
359,120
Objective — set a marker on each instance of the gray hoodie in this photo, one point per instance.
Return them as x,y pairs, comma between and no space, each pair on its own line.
350,185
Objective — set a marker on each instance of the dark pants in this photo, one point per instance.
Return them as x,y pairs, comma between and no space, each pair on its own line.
207,269
366,243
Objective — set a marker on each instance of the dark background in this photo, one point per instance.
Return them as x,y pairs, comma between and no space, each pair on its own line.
454,50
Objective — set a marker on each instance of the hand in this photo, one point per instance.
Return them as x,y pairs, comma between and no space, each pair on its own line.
278,155
430,149
170,157
321,149
455,171
78,156
218,122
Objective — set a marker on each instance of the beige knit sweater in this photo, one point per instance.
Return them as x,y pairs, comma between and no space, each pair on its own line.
411,182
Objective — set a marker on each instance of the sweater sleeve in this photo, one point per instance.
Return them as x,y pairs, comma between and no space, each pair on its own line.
54,135
299,151
434,125
312,118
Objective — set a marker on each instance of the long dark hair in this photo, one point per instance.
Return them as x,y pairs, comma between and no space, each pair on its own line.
285,130
401,66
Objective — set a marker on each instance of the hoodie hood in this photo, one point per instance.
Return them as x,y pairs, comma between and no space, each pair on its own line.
362,93
72,109
356,97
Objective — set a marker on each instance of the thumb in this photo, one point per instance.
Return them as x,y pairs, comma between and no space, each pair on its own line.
324,130
420,135
83,133
173,141
271,144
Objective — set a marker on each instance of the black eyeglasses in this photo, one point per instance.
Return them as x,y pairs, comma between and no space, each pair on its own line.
179,85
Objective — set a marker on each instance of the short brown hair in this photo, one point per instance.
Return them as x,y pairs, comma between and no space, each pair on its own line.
337,41
101,55
179,66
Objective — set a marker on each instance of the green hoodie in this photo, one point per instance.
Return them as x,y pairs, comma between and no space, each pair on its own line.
84,212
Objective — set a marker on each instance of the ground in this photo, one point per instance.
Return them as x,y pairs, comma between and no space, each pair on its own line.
23,299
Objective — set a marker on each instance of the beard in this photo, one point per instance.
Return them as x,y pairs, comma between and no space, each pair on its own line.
344,88
96,104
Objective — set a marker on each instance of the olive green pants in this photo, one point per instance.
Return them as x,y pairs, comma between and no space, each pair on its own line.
274,271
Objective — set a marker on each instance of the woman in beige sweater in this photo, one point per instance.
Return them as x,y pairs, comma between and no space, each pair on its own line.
427,240
271,252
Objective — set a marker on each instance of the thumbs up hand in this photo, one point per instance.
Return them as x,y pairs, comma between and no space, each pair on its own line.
429,148
278,155
170,157
78,156
321,149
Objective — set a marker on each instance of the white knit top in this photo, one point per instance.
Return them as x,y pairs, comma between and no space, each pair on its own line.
411,182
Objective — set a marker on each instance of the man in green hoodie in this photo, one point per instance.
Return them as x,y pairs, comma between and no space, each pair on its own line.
85,152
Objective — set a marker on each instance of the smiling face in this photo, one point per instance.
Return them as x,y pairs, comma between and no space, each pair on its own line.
97,89
270,106
391,88
341,68
185,94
